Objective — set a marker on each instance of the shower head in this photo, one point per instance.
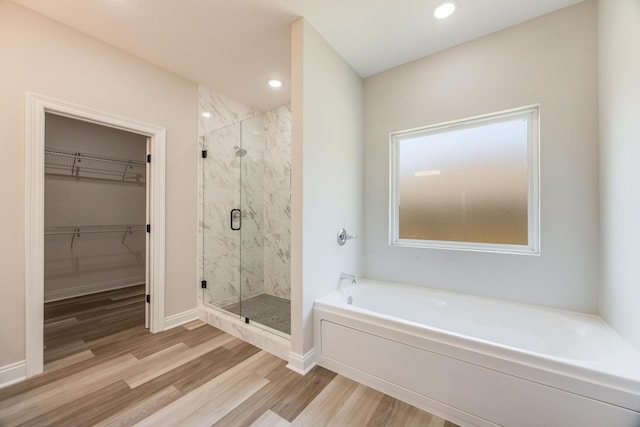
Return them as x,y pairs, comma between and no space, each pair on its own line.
240,152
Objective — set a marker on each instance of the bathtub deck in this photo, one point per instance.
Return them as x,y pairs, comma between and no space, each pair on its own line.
196,375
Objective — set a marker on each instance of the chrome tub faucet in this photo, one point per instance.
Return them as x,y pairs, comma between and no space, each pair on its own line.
346,276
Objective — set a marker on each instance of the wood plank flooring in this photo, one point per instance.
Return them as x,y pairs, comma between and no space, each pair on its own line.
105,369
72,323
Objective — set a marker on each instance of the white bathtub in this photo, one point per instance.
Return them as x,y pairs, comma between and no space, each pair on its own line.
479,361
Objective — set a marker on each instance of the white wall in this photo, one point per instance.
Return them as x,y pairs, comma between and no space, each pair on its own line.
48,58
619,33
552,61
326,175
101,261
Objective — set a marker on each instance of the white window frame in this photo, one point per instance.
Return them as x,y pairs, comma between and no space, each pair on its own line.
532,113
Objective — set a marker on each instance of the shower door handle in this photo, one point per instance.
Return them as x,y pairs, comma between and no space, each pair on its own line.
236,219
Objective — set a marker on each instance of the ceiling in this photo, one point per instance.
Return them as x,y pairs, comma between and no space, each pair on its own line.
234,46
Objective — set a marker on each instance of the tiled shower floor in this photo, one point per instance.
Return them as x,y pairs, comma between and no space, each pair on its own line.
268,310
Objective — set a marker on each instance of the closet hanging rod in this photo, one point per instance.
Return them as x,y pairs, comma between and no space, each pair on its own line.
55,233
86,229
78,231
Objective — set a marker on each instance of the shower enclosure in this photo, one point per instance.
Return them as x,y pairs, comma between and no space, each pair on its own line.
246,220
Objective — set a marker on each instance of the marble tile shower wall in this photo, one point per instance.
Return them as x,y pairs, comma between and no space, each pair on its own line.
277,202
252,205
223,111
265,200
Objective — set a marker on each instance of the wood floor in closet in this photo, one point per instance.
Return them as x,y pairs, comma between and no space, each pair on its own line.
104,368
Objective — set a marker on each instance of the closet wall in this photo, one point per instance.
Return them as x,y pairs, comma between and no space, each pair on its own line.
94,210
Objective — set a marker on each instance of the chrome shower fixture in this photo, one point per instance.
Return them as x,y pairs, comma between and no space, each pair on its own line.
343,236
240,152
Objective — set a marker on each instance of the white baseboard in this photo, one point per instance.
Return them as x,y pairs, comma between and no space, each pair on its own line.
180,318
13,373
93,288
302,364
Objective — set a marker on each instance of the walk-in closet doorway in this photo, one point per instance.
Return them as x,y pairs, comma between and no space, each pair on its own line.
95,241
95,226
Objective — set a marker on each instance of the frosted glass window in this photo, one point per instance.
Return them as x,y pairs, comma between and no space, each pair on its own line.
470,184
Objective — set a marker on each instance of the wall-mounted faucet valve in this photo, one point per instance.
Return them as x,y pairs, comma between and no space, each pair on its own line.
343,236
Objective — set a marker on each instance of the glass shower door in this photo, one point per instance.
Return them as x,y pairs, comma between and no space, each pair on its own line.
251,156
264,291
221,201
246,220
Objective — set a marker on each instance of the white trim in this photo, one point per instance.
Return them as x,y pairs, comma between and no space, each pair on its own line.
302,364
37,106
34,236
180,318
13,373
93,288
233,325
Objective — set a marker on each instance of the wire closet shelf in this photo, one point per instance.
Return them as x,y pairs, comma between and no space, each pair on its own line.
76,231
60,161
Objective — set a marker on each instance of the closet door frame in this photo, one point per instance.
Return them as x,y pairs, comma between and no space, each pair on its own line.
37,106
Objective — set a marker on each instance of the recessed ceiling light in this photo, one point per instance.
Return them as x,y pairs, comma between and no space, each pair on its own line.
275,83
206,114
444,10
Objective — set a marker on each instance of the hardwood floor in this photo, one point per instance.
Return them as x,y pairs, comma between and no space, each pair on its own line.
104,368
71,324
